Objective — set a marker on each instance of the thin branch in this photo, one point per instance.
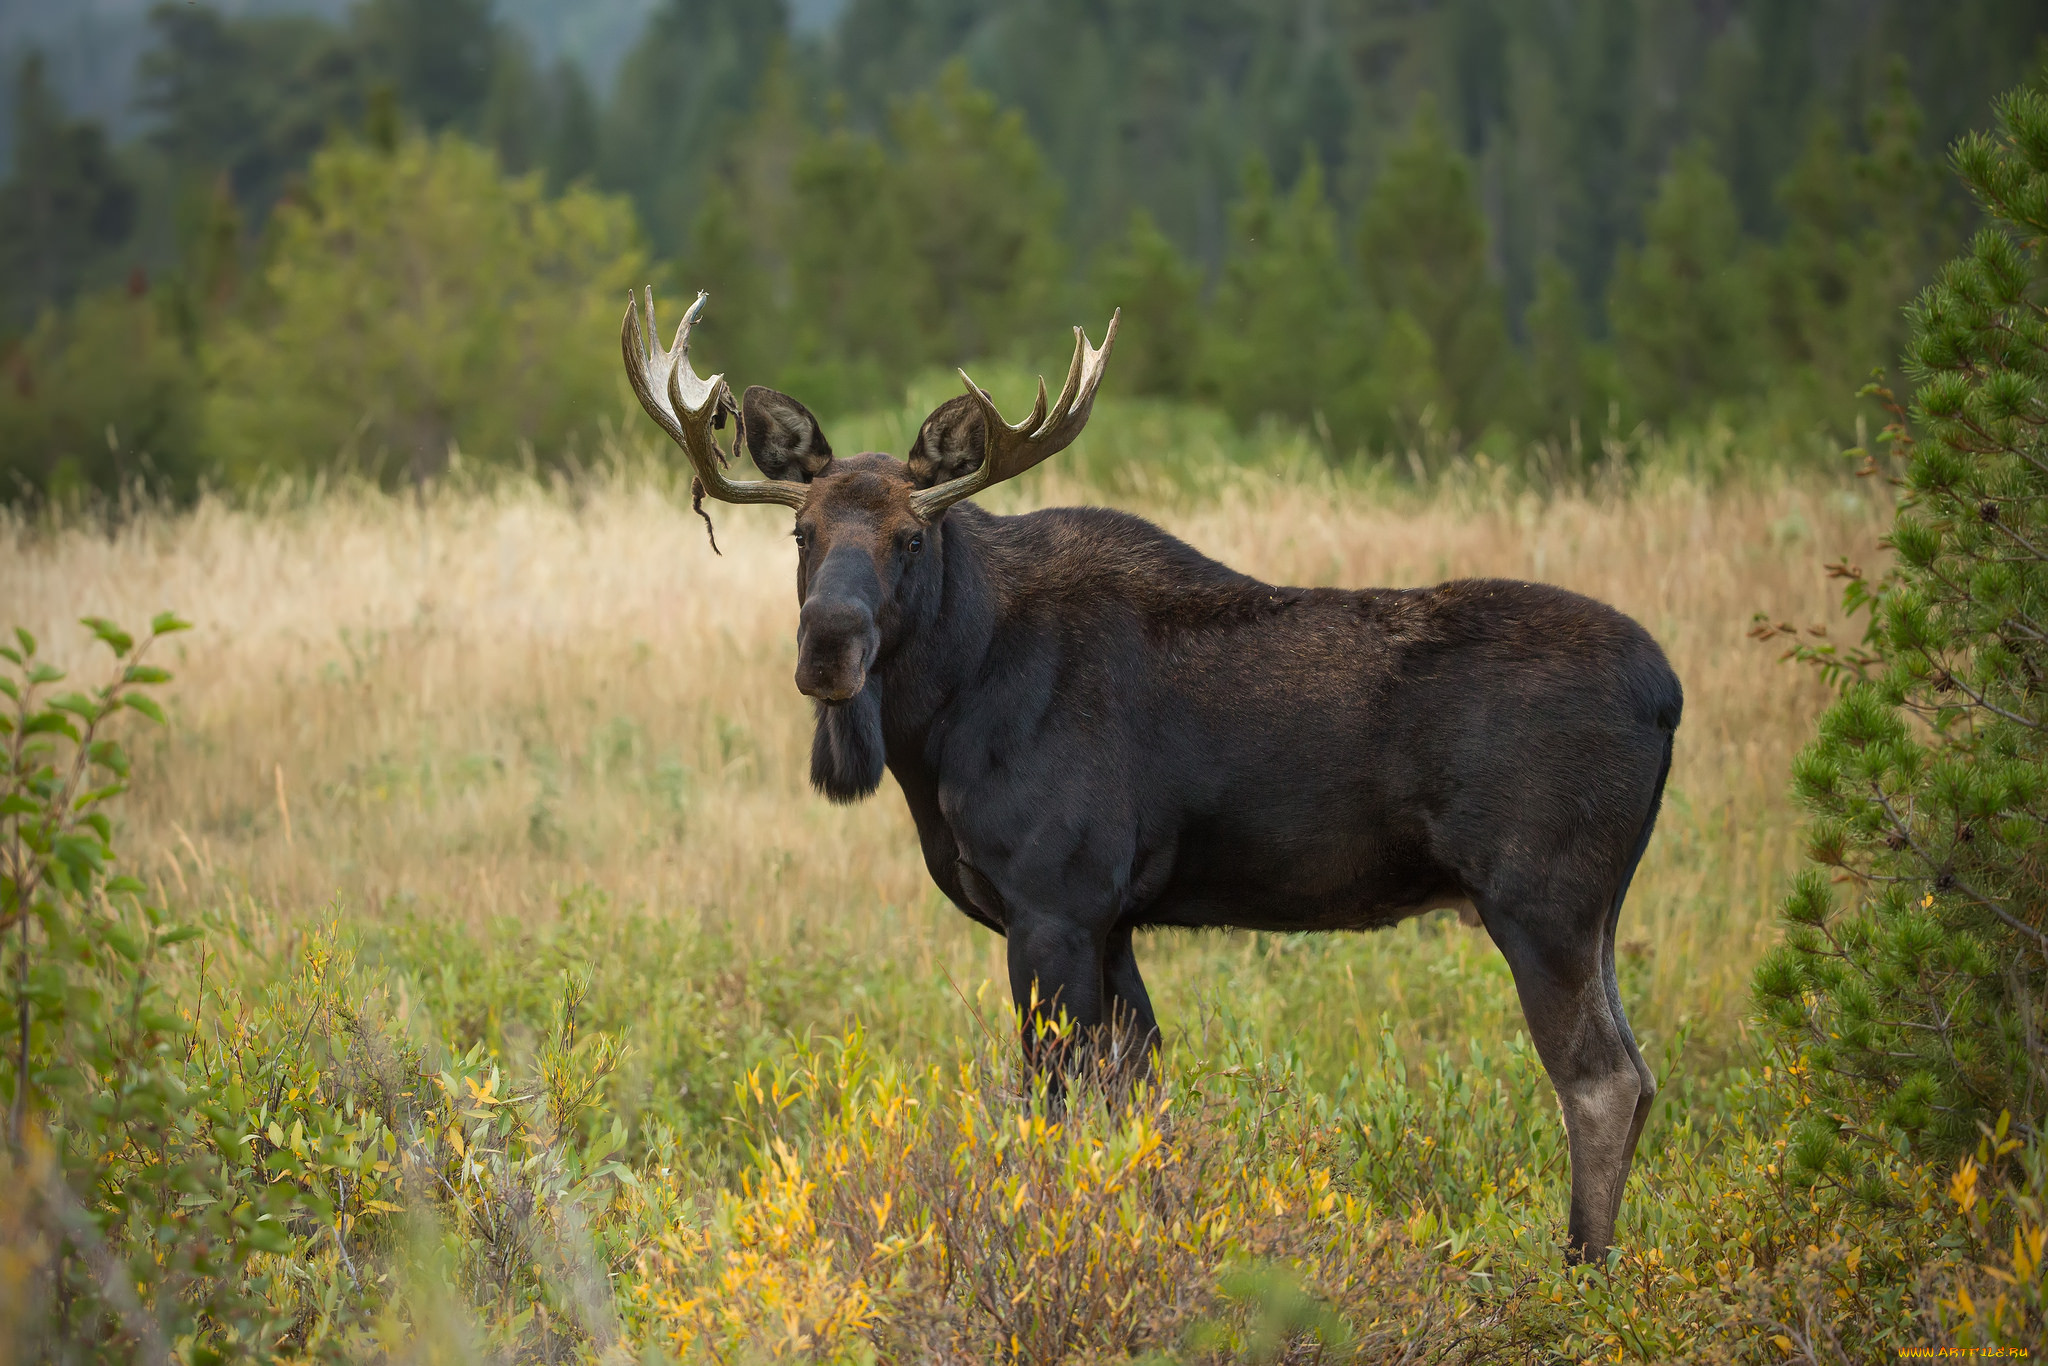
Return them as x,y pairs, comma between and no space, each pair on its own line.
2019,926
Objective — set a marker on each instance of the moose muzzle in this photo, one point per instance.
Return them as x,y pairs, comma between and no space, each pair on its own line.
836,636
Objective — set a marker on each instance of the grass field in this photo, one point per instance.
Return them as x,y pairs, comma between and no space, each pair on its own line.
467,710
498,733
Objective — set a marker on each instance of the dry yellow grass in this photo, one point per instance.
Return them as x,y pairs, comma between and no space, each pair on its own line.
472,704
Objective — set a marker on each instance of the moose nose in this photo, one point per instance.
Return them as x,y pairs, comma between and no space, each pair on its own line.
835,643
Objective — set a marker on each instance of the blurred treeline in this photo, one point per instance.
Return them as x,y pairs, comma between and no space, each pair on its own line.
1475,224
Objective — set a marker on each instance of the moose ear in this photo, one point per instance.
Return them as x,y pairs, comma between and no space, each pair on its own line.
952,442
782,436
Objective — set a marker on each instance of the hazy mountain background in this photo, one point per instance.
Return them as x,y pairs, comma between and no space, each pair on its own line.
92,46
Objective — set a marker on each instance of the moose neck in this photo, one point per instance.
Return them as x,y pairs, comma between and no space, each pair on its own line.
947,630
944,635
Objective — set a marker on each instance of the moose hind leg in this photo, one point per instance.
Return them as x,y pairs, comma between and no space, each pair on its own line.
1646,1079
1562,973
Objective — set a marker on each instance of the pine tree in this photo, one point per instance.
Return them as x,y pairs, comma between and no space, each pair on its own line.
1571,380
1288,332
1815,271
1422,249
858,290
1921,997
68,209
744,243
983,215
1863,231
516,116
681,94
255,96
1684,307
844,264
1160,293
440,56
572,147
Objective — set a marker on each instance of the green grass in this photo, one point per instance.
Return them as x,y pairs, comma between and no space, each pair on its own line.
533,775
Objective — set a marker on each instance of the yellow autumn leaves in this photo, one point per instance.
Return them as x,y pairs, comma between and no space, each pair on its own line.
945,1210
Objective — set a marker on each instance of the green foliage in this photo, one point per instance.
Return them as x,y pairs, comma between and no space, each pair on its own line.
435,54
847,277
252,97
1863,230
246,99
698,1013
681,95
105,395
1572,382
571,149
1411,349
535,119
98,1145
1919,995
1572,110
237,1169
61,769
1572,107
1422,249
1684,307
420,1140
1160,293
1229,1212
748,232
982,214
418,302
936,185
1289,334
842,264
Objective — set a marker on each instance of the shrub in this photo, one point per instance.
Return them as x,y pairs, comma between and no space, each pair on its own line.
107,1159
204,1166
103,395
949,1215
1920,997
417,300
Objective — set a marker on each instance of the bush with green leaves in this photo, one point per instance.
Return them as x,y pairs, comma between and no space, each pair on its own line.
101,1153
236,1148
418,301
104,396
1914,972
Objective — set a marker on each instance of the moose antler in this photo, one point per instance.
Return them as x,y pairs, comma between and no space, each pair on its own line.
687,407
1012,450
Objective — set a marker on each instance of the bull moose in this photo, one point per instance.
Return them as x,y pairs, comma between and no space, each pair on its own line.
1099,729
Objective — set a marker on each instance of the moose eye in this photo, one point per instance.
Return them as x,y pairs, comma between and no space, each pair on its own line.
916,543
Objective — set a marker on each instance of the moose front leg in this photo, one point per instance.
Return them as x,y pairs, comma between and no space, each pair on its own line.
1134,1030
1056,980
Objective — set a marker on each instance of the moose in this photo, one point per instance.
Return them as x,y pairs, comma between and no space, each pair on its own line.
1098,730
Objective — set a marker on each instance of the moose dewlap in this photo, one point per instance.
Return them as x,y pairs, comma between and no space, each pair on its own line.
1099,729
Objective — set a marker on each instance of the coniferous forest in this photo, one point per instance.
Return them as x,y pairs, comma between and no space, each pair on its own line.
1468,226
